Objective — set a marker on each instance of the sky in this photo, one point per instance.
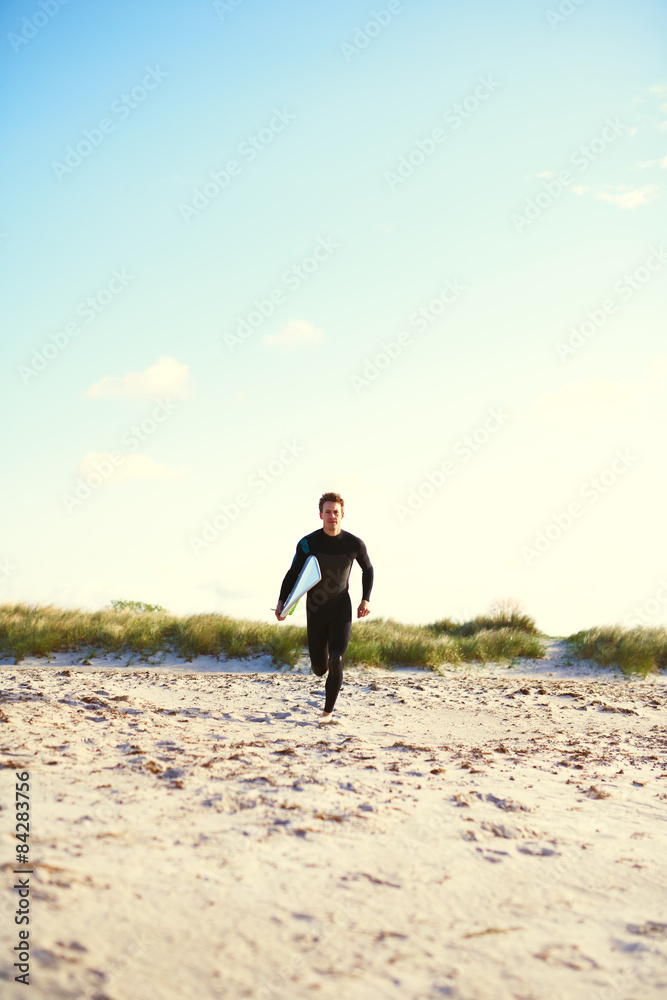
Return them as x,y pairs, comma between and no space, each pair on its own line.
411,252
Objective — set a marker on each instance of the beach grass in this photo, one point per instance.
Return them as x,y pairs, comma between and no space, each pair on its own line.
141,631
633,650
386,642
506,616
42,631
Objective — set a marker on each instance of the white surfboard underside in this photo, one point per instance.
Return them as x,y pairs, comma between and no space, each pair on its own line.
308,577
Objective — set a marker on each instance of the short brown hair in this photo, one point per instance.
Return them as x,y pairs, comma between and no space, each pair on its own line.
331,498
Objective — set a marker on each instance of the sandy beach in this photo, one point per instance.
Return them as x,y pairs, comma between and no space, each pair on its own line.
485,833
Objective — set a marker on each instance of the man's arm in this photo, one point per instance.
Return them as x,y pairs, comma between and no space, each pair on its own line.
367,576
367,573
290,578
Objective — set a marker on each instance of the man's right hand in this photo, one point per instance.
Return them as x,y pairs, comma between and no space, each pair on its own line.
279,608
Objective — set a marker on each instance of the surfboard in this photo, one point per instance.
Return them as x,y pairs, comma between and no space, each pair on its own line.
308,577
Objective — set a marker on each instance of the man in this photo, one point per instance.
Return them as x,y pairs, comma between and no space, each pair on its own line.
328,606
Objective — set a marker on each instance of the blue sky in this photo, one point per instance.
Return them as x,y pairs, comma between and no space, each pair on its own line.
370,159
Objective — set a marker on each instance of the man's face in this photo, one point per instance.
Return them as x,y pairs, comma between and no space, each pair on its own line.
332,515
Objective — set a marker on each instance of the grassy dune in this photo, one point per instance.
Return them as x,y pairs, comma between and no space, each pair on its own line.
41,631
134,629
386,642
633,650
145,630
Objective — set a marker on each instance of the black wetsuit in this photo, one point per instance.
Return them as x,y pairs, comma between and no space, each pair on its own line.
328,605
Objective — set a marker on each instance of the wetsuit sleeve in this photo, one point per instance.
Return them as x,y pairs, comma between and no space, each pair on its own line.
292,573
366,572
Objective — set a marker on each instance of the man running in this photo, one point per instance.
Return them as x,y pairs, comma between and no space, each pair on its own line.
328,606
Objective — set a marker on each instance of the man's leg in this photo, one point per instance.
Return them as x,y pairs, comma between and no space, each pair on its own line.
317,645
327,642
339,636
318,650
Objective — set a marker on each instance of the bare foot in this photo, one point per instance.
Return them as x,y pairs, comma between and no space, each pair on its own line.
325,717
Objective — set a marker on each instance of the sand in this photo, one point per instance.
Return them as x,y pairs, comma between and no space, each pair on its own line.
488,833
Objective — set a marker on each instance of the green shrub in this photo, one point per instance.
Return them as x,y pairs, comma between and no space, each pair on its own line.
138,606
504,615
634,650
387,642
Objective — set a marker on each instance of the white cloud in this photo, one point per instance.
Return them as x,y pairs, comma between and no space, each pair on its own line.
296,333
646,163
663,163
114,468
546,174
167,378
624,196
628,198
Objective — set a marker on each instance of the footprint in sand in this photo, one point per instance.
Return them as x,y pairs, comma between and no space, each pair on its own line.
493,856
537,851
567,955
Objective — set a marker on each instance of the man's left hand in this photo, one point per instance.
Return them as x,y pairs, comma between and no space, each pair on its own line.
363,610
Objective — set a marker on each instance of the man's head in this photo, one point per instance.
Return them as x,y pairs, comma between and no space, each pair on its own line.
331,512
